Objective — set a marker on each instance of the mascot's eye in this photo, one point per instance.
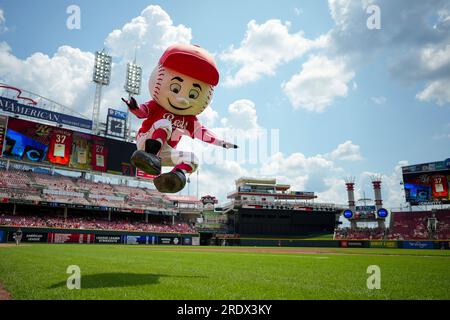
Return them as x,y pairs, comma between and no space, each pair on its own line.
175,87
193,94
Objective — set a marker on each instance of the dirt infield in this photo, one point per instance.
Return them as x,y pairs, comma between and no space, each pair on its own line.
249,250
5,245
4,295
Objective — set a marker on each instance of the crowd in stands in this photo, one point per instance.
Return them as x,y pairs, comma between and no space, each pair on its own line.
34,186
419,225
360,234
92,223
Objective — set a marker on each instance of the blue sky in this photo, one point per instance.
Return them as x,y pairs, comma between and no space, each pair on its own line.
384,90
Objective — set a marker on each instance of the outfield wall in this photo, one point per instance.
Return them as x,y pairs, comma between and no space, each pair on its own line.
286,242
47,235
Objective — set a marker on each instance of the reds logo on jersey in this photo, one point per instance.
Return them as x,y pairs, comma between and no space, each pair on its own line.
180,124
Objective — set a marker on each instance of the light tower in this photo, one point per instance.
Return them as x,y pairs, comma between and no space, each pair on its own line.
350,183
376,182
101,76
132,87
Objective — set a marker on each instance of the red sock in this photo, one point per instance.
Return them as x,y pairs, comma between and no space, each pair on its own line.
183,166
160,134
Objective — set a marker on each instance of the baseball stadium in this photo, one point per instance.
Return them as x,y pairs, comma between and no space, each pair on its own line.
132,242
99,201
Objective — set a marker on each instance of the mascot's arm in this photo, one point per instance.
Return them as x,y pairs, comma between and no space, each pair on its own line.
208,136
142,111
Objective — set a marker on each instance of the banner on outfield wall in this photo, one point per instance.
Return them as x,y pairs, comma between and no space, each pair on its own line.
169,240
383,244
195,241
418,244
2,236
141,240
29,237
111,239
354,244
70,238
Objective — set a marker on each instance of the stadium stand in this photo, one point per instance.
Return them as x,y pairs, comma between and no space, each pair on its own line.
415,225
91,223
360,234
34,186
418,225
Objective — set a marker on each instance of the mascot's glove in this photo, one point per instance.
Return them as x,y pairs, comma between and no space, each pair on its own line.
132,104
228,145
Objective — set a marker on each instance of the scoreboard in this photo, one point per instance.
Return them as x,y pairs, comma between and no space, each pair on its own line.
34,142
427,183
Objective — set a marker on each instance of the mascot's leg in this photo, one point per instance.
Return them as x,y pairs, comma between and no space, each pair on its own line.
175,180
149,145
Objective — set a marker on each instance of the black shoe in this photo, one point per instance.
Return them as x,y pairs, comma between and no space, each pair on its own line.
147,162
170,182
152,146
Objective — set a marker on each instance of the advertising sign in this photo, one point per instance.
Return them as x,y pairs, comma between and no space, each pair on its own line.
141,239
383,244
169,240
142,174
116,239
116,123
418,244
70,238
13,107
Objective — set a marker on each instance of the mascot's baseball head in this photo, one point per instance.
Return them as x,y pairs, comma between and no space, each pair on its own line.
184,79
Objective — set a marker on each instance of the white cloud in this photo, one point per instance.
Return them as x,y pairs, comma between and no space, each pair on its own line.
209,116
264,48
66,75
241,116
392,193
415,35
149,33
346,151
437,91
378,100
318,83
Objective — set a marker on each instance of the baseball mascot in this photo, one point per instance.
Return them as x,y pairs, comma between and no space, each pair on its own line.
181,85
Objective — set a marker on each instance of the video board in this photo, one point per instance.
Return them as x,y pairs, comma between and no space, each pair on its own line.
427,183
3,124
40,143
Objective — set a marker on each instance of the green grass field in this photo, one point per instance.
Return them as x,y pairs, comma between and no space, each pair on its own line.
146,272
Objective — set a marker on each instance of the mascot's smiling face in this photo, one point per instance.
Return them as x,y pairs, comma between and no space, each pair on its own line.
179,93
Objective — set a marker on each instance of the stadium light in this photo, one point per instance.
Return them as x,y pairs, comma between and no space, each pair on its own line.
132,86
101,76
133,79
102,68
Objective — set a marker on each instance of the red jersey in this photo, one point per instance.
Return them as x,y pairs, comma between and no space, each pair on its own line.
60,146
99,155
439,186
181,125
